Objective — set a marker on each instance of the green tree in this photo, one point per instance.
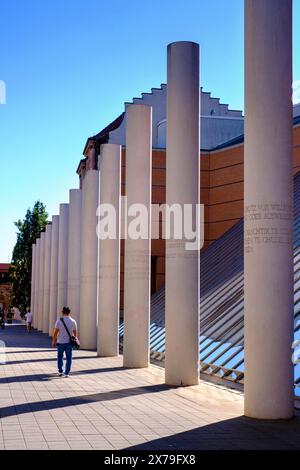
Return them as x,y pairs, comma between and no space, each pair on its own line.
29,230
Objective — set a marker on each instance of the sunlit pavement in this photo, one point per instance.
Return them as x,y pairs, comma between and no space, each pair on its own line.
103,406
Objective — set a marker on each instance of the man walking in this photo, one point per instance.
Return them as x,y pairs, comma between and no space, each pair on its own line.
64,329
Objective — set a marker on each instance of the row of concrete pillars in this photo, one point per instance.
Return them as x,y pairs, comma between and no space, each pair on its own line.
72,267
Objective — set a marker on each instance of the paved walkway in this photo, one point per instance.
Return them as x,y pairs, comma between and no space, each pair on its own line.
103,406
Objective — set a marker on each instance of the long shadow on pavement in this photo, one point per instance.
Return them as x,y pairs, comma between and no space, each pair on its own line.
79,400
47,359
239,433
29,351
46,377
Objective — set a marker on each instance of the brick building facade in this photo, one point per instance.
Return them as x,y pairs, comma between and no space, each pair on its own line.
5,286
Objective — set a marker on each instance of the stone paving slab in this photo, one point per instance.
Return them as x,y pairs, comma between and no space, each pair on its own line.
104,406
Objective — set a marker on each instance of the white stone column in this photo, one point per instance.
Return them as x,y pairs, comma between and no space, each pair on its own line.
138,252
41,282
37,283
89,261
47,268
74,257
269,392
32,278
182,187
109,252
36,276
62,276
53,312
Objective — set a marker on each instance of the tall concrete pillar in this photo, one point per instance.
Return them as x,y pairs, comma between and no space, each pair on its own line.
33,282
32,293
109,253
89,261
47,268
41,282
62,276
37,283
138,251
74,257
53,312
269,392
36,276
182,187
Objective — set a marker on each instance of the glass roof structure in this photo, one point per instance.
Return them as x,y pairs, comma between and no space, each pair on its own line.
221,344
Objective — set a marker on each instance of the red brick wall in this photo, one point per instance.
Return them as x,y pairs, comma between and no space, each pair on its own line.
5,295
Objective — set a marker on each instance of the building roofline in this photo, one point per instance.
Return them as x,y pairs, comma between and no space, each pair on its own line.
102,136
229,143
240,139
82,161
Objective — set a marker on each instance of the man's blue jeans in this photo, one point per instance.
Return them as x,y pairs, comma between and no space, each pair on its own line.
61,348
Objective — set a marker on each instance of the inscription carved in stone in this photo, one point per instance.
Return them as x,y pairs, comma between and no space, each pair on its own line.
264,231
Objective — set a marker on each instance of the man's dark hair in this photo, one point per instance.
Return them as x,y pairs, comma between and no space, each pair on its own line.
66,310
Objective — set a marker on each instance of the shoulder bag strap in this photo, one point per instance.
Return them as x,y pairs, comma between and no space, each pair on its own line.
66,328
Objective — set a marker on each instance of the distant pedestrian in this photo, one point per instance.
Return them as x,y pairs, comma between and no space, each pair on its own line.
9,315
2,318
64,332
28,319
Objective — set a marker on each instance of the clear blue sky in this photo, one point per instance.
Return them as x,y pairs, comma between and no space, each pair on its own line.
69,65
